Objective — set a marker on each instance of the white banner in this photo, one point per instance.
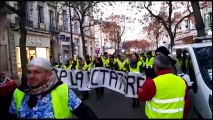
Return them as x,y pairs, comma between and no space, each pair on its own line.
124,83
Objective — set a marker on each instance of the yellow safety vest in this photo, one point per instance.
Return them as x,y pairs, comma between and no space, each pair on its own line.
105,61
56,66
168,101
179,62
137,69
67,68
121,65
59,101
115,60
90,66
150,62
85,67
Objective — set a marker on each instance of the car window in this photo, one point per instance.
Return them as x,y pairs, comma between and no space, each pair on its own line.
204,58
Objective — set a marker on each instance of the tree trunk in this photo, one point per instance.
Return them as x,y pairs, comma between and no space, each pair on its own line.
199,25
22,41
83,39
71,35
157,43
172,40
119,39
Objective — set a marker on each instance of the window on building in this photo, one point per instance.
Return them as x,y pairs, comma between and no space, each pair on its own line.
65,20
67,39
75,27
187,24
40,14
75,30
76,41
51,17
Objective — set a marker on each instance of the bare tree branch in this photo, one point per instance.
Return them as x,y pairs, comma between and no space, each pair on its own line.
160,19
170,14
176,25
12,9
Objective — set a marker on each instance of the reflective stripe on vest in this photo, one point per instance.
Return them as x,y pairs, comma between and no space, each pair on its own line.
168,101
59,101
165,111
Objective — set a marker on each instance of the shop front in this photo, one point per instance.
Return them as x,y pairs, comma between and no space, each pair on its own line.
36,46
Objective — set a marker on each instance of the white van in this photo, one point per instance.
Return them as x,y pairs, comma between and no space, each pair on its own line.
197,64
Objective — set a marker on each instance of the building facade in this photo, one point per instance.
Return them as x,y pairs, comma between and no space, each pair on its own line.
102,39
48,36
187,31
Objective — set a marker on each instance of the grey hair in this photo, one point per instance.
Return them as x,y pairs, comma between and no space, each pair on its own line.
162,62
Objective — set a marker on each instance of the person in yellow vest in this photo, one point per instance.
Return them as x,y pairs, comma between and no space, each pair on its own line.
89,62
67,66
122,63
100,90
143,59
84,67
179,62
135,66
149,60
46,96
56,65
166,95
105,59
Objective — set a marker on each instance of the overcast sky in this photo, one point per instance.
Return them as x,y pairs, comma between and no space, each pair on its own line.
134,29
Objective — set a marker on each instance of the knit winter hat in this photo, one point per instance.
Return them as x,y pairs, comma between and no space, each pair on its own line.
40,62
163,50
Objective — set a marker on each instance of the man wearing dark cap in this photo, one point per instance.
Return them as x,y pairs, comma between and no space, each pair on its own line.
164,51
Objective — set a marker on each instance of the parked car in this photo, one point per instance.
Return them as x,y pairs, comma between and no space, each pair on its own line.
197,64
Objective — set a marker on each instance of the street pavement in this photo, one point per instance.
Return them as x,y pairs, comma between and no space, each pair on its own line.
113,105
116,105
